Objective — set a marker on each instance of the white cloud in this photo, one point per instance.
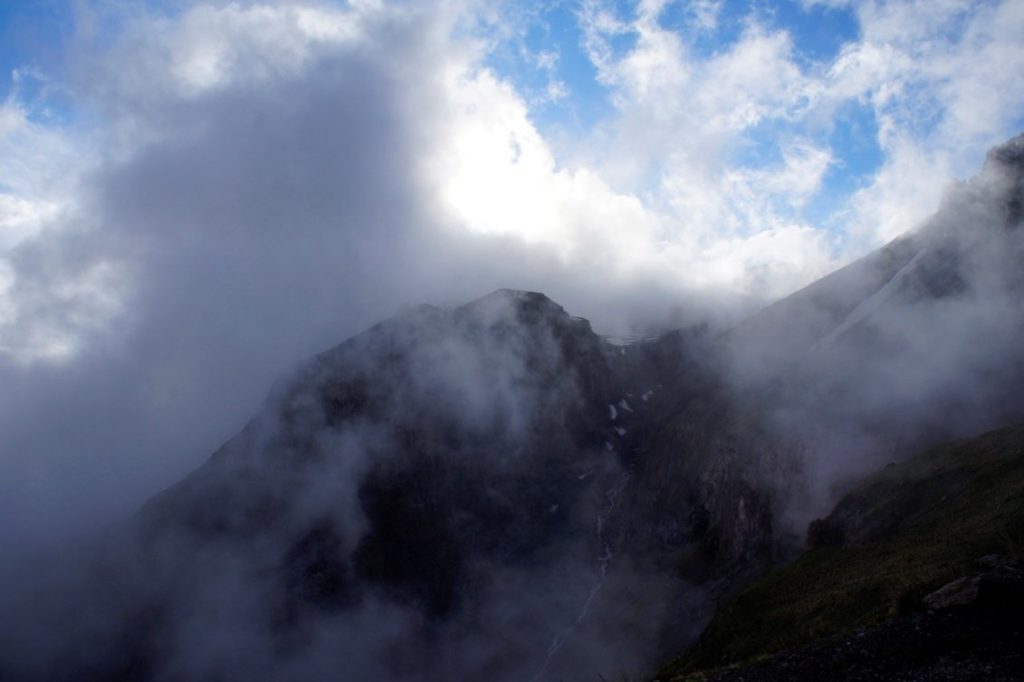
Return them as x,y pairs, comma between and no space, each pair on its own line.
497,175
945,81
216,45
41,164
22,218
681,122
801,173
942,79
663,185
249,183
705,13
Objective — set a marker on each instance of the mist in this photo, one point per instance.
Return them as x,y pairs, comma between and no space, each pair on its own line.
431,494
912,346
253,227
212,200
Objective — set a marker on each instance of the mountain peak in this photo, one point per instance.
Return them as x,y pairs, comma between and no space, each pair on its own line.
524,305
1009,153
1004,164
516,296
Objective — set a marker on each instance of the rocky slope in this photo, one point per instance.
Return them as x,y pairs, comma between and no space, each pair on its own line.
914,575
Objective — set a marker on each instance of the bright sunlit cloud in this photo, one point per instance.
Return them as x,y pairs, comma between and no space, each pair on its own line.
712,146
196,194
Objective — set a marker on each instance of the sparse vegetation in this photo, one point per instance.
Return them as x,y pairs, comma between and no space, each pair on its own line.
923,522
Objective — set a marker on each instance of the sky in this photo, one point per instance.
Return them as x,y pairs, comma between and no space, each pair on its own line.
196,195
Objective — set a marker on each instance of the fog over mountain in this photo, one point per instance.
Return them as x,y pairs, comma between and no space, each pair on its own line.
196,194
493,490
476,340
914,344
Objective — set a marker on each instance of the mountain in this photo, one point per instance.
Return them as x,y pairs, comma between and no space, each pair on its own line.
914,575
434,498
403,460
915,344
496,492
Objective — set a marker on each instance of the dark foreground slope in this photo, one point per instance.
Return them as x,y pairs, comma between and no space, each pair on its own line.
915,574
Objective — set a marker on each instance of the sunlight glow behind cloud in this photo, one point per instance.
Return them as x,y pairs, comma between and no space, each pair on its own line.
193,195
726,170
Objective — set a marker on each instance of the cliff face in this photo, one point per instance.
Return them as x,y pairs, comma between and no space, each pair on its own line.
468,468
402,458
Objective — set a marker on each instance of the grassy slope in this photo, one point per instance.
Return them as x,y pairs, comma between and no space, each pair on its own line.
924,523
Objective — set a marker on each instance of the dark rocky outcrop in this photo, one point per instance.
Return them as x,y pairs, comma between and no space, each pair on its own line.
1000,585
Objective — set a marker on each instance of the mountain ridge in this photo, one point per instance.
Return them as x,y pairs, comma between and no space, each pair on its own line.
496,491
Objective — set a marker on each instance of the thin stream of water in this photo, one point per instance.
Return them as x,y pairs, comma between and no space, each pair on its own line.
604,561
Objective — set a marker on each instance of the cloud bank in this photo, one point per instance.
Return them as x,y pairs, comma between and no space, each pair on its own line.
208,192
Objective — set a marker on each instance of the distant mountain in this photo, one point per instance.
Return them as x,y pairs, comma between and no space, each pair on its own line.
496,492
917,342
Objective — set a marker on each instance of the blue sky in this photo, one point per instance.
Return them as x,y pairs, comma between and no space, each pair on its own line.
818,34
35,37
32,35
